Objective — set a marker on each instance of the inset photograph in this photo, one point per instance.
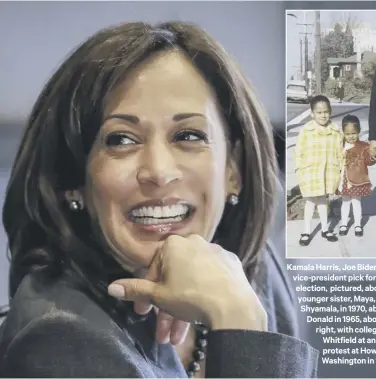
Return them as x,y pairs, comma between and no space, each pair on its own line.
331,134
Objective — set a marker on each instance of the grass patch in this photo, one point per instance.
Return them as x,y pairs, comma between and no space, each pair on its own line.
296,203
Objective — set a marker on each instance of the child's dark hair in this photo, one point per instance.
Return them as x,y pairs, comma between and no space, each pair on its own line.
319,99
351,119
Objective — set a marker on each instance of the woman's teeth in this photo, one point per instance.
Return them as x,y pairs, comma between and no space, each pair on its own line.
160,215
157,221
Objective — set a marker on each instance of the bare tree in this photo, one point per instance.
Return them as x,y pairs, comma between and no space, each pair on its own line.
346,19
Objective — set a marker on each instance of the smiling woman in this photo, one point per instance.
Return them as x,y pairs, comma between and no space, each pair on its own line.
143,188
155,162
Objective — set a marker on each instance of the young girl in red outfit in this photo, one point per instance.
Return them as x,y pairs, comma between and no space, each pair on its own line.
355,182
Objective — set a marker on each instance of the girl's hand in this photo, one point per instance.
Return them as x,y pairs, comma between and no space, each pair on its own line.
372,149
193,280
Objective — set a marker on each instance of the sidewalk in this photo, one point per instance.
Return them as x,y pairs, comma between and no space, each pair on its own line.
348,246
344,102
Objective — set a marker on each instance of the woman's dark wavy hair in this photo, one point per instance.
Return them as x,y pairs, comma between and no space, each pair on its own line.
63,124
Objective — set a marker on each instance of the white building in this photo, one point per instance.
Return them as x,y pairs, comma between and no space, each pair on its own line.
364,42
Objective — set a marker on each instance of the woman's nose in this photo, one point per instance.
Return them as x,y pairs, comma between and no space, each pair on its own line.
159,166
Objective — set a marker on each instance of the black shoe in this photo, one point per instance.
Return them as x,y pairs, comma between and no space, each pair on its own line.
305,239
358,231
343,230
329,236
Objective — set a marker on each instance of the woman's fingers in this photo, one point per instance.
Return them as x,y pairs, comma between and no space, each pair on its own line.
142,308
137,290
170,330
153,273
140,290
164,324
179,331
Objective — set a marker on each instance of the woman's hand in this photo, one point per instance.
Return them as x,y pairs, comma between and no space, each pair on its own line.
193,280
168,329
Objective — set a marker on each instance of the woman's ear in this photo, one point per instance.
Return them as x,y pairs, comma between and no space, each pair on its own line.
234,178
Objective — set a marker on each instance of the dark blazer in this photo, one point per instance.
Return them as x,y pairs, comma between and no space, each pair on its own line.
57,330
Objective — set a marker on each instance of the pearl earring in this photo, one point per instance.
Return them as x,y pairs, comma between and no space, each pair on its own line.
233,199
75,206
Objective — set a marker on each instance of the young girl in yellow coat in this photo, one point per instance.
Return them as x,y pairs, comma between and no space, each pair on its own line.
318,157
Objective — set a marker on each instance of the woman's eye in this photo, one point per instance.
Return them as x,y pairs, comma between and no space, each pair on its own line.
190,136
119,139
